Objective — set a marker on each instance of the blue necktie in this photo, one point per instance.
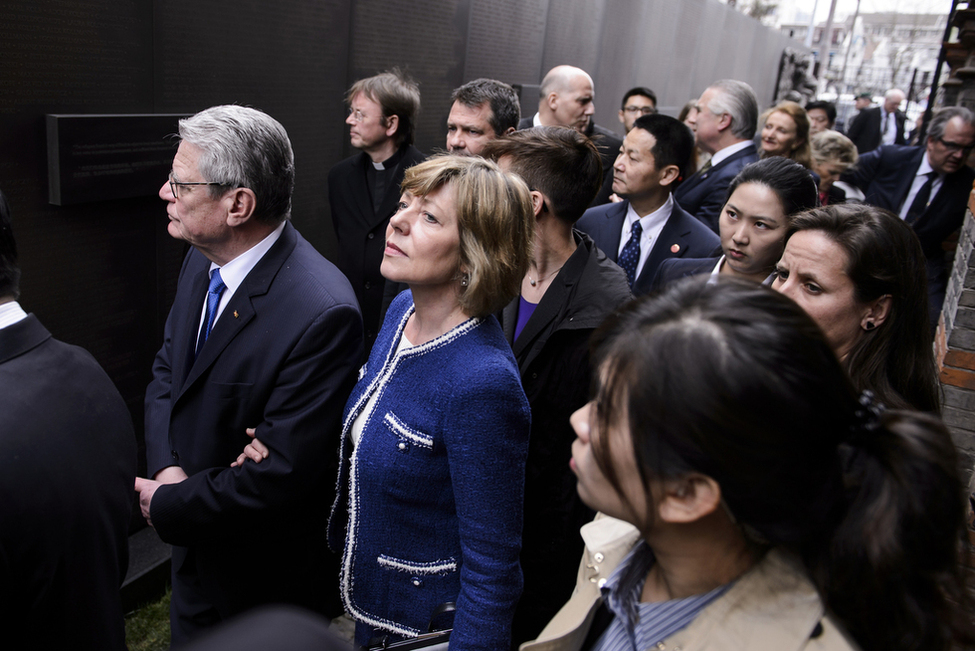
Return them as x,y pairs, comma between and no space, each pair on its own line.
213,302
630,255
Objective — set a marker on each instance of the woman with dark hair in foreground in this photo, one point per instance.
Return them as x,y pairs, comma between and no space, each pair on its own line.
859,272
755,498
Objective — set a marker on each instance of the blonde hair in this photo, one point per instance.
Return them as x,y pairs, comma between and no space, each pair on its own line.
833,148
801,153
495,221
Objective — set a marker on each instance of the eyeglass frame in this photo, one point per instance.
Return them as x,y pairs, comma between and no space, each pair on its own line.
173,184
643,110
954,147
359,116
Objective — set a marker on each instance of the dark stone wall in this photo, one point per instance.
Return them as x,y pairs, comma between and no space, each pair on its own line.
102,275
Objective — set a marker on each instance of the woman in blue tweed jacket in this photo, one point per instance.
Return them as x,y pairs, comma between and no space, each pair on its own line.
435,433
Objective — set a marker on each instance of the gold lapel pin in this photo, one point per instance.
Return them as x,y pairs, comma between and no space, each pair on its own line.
237,315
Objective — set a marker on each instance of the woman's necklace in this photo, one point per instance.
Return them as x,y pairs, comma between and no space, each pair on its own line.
533,282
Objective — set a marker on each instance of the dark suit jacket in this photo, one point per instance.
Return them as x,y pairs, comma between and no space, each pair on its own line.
604,224
865,129
361,230
677,268
703,195
282,357
67,466
885,175
608,144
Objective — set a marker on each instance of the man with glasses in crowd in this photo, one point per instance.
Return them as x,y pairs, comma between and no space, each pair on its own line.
927,186
264,337
363,191
637,102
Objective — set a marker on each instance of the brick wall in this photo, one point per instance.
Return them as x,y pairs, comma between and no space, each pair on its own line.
955,345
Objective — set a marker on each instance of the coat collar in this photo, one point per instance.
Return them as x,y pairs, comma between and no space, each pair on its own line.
21,337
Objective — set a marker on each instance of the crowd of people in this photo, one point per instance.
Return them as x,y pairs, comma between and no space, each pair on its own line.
560,390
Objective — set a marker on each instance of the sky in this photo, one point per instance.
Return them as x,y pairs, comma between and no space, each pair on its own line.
847,7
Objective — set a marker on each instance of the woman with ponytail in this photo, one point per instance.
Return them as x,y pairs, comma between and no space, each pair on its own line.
750,497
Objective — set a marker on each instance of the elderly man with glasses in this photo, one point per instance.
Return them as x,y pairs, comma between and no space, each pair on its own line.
927,186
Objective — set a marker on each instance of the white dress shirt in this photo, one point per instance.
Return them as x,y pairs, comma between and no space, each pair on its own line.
652,225
919,180
234,272
11,313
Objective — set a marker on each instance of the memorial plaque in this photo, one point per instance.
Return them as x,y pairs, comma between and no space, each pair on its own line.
101,157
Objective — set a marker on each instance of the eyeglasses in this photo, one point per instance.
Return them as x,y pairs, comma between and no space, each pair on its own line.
643,110
955,147
174,185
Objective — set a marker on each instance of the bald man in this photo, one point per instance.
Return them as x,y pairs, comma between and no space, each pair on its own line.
566,99
881,125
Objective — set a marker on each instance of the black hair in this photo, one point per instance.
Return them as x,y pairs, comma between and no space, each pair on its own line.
829,107
675,142
735,381
502,98
643,92
791,182
9,271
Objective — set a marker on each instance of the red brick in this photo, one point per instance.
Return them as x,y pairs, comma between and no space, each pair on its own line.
960,359
958,377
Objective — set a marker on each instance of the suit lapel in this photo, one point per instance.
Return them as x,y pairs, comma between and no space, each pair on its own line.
184,342
614,229
672,235
240,311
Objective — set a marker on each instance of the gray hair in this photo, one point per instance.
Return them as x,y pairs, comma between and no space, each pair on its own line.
505,107
737,99
936,130
245,148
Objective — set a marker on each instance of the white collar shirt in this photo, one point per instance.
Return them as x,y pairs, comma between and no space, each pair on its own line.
652,225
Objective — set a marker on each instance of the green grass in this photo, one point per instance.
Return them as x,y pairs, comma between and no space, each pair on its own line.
147,629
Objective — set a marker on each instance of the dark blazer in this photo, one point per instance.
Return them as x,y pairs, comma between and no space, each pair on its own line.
361,230
608,144
553,358
67,466
885,175
703,194
865,129
690,238
282,357
677,268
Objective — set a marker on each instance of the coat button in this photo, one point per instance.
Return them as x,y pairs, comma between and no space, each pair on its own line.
175,454
401,446
417,582
599,557
367,285
371,236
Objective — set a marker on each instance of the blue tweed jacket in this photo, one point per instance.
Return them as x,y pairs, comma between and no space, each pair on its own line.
430,500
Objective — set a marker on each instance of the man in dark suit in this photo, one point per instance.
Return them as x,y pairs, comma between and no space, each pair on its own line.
927,186
726,121
263,334
67,461
566,99
649,227
363,191
881,125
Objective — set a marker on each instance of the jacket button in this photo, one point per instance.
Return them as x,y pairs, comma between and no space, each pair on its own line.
599,557
175,454
401,446
368,285
417,582
371,236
